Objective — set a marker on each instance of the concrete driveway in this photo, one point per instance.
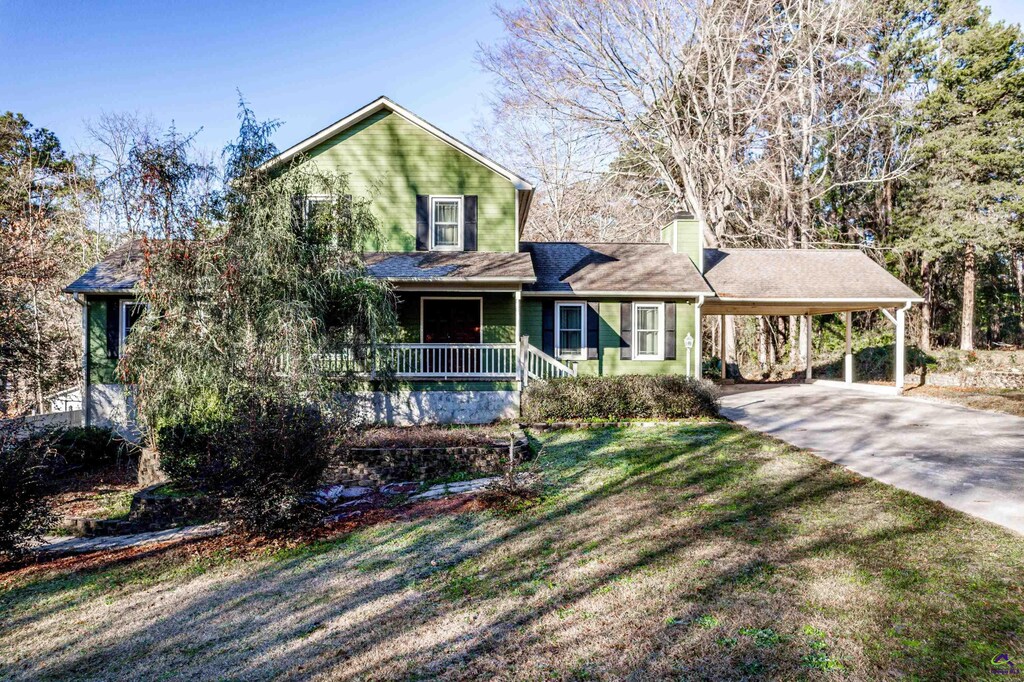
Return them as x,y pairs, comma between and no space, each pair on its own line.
968,459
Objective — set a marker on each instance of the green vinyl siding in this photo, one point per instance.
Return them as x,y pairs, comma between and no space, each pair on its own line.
392,160
101,369
499,315
609,362
685,234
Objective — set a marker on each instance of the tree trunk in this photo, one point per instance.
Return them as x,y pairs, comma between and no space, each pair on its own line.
926,309
967,310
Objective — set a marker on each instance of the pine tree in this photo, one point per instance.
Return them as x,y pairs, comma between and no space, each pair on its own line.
965,197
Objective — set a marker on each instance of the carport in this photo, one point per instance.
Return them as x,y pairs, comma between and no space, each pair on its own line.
804,282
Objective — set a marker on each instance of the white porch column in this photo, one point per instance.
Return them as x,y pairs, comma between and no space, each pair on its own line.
848,359
901,347
697,352
520,375
808,336
721,343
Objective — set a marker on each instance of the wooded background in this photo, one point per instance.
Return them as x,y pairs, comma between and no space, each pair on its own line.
893,126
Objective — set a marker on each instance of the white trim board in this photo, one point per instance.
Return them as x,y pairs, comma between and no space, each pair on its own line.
385,103
582,305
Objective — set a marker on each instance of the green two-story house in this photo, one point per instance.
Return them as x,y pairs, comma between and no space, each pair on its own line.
482,312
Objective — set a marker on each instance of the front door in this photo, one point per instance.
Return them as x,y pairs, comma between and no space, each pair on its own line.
451,320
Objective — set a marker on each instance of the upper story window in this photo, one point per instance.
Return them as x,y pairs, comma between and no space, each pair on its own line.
649,331
446,218
569,330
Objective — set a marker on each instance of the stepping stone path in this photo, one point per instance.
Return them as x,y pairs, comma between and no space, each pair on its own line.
76,545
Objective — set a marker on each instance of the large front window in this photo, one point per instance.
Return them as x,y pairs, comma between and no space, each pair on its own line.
446,223
569,330
648,332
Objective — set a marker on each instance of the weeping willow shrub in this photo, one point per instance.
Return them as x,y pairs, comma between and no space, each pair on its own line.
243,309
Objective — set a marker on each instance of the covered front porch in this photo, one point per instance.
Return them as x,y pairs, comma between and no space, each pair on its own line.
451,337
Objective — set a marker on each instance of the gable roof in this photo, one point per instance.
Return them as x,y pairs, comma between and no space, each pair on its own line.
117,273
373,107
451,266
785,275
613,268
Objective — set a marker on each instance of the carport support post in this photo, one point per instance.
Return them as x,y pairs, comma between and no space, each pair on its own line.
901,347
807,318
848,359
721,344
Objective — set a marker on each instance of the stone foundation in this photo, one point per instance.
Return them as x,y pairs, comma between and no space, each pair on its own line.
380,466
411,408
112,406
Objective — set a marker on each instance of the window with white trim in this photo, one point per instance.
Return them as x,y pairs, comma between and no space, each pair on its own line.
131,311
648,331
569,332
313,201
446,223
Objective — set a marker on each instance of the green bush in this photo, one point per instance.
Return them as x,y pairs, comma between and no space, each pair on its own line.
25,468
264,462
623,397
90,446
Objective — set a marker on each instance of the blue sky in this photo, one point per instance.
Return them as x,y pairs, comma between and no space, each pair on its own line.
305,63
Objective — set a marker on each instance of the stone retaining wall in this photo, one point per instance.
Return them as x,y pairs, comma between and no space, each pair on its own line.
379,466
152,511
975,379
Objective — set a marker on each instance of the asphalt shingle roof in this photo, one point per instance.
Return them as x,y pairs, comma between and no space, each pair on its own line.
451,266
580,268
119,271
778,274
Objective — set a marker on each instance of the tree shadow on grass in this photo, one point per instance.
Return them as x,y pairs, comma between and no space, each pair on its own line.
474,596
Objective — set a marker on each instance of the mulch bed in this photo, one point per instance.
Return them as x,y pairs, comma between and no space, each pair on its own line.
240,545
80,493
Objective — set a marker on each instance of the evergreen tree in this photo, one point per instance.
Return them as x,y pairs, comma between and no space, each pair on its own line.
965,197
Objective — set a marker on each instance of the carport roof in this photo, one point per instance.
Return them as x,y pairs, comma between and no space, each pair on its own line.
796,281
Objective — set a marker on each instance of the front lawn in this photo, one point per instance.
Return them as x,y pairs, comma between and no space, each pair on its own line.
693,552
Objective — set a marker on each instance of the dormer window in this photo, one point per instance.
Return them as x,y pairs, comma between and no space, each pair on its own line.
446,226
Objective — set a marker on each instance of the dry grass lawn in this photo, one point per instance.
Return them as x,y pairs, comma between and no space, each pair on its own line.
1007,401
696,552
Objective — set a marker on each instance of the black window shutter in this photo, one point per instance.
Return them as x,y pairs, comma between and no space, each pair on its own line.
113,324
469,223
670,331
626,330
593,319
548,327
422,222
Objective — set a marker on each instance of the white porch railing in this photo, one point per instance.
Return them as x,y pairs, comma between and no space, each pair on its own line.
539,365
449,361
428,360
